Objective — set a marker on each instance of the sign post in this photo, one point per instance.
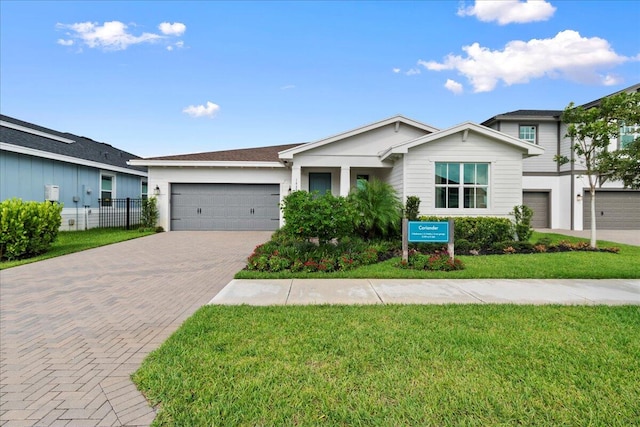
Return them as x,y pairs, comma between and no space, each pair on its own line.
427,232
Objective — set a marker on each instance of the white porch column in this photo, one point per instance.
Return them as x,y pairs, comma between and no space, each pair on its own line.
345,180
296,178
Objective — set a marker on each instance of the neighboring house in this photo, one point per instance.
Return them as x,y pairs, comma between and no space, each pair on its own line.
560,195
38,164
466,170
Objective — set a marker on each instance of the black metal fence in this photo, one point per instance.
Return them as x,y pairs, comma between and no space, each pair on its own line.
120,213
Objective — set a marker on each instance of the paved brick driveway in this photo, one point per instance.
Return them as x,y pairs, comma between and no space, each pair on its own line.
73,329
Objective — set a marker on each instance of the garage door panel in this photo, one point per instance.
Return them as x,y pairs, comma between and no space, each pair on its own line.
615,210
538,201
225,206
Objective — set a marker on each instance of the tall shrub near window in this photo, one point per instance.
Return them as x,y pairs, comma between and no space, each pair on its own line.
150,212
310,215
412,208
522,220
378,210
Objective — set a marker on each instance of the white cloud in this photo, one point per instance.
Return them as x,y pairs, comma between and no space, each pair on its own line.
287,87
115,35
176,45
567,55
208,110
454,86
395,70
509,11
611,80
175,29
413,72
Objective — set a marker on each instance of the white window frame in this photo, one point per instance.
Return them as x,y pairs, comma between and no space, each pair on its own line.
531,127
461,186
144,194
633,131
112,191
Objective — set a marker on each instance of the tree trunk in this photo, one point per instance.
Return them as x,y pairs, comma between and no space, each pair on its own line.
593,243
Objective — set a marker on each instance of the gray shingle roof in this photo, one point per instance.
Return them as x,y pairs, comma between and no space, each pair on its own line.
555,114
259,154
82,147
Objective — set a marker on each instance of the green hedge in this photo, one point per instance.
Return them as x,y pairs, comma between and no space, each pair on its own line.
27,228
482,231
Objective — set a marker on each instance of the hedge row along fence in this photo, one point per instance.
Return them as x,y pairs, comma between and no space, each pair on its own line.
27,228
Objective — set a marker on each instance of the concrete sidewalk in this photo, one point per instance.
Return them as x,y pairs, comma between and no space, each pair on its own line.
441,291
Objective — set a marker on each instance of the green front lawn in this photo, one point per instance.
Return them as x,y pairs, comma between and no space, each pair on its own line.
566,265
472,365
69,242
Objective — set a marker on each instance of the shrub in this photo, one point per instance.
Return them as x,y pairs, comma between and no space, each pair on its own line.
438,261
511,247
308,215
412,208
149,215
481,231
27,228
297,256
378,211
522,220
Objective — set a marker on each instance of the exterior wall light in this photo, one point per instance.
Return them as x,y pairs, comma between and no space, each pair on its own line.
156,191
579,197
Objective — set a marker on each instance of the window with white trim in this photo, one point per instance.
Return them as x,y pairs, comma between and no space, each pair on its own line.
470,192
144,192
528,133
628,134
107,189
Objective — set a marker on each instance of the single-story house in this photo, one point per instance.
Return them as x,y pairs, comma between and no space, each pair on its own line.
465,170
87,177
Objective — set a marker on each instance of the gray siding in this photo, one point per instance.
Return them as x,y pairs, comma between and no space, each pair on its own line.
547,138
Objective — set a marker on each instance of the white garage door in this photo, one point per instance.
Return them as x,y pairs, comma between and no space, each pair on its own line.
225,207
615,210
539,202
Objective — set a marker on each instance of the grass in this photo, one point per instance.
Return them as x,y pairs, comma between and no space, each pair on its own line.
471,365
69,242
563,265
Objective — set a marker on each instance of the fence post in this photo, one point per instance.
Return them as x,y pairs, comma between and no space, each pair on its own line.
128,212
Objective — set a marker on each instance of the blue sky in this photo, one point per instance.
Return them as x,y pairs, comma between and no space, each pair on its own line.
159,78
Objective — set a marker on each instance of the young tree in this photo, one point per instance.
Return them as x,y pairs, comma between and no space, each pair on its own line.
591,130
624,165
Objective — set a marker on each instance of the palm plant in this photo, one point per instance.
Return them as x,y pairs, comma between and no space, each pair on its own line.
378,209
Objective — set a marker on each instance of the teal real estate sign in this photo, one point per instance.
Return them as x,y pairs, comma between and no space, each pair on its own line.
428,232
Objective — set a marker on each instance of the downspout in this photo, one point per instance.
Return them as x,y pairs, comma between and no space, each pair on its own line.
572,189
77,188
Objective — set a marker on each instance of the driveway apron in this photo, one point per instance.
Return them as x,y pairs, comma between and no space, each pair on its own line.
74,328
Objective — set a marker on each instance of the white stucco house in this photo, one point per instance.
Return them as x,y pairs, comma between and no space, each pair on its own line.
465,170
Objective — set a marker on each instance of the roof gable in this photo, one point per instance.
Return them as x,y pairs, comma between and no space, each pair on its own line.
39,139
528,148
397,120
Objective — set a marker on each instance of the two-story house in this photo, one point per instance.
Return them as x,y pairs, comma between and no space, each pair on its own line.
558,194
85,176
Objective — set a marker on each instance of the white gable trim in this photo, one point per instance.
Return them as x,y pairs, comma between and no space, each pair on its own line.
288,154
464,128
67,159
35,132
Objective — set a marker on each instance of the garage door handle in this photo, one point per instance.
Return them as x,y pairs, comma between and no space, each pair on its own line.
252,211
